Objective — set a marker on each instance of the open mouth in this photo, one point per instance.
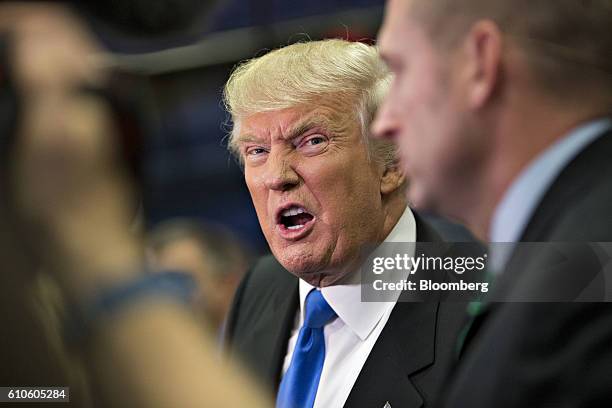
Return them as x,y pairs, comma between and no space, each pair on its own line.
294,218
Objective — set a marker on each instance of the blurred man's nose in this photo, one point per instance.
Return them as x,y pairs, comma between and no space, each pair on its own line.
280,174
385,125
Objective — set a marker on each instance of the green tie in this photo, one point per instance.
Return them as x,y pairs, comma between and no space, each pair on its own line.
474,309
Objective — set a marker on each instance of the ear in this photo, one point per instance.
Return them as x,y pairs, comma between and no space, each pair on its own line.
392,179
483,49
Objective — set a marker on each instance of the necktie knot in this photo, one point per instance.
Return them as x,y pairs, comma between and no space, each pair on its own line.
318,311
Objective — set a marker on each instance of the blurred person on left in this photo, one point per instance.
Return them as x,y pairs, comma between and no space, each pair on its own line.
69,206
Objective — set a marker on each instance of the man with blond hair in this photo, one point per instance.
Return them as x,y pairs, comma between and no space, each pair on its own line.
502,112
323,191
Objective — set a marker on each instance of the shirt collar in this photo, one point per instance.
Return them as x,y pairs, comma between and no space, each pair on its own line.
525,193
360,317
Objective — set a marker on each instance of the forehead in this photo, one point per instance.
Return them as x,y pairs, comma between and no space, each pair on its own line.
396,26
334,117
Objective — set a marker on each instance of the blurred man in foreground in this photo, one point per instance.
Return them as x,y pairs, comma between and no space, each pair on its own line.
323,191
501,111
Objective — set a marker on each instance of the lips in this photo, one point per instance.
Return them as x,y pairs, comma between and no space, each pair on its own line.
294,221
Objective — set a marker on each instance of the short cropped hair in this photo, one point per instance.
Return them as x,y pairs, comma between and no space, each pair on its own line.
301,74
568,43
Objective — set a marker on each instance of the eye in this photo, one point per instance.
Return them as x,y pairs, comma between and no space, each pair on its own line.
255,154
315,140
254,151
313,144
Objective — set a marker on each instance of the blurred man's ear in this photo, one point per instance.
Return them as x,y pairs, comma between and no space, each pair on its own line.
392,179
483,50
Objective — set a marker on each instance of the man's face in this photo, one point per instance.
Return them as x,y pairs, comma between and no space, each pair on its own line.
187,255
316,194
424,112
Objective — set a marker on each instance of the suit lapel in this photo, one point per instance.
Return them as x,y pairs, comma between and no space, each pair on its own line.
273,329
405,346
287,307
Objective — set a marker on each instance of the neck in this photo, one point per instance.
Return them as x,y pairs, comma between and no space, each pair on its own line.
393,211
521,134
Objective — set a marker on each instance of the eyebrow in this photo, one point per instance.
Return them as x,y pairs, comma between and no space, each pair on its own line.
296,131
305,125
247,138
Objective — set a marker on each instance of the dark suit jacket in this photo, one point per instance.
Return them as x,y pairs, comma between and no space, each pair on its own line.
553,354
406,366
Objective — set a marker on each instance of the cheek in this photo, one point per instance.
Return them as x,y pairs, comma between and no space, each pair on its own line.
351,202
426,121
411,106
336,182
258,196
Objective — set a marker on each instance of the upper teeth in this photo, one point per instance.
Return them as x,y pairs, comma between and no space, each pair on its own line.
292,211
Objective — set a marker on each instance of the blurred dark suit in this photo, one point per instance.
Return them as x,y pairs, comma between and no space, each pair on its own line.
549,354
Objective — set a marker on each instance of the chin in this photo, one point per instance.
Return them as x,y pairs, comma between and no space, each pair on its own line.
302,264
317,272
297,262
313,278
416,197
319,279
420,198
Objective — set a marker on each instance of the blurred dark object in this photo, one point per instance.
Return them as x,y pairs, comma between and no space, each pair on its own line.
146,18
247,13
8,107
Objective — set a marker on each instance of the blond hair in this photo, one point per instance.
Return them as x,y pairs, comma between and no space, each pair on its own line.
300,74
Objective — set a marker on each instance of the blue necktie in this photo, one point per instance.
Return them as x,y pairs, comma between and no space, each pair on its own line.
298,388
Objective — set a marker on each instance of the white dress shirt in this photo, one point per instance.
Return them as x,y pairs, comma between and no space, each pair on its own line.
349,339
526,192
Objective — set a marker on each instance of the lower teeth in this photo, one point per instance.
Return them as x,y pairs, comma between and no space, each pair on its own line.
293,227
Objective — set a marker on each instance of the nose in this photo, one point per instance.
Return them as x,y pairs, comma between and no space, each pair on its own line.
385,125
280,174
